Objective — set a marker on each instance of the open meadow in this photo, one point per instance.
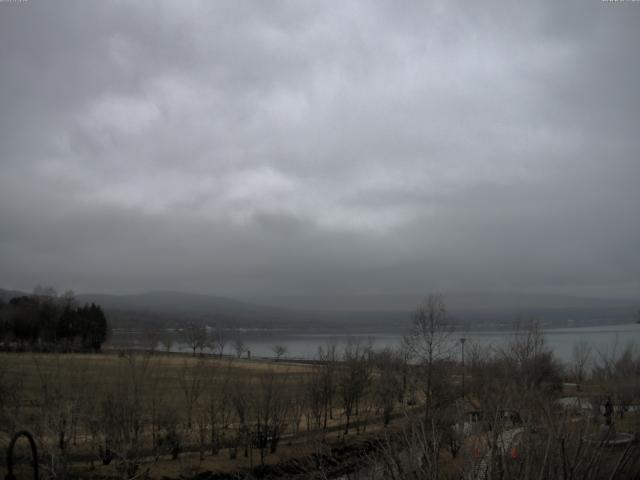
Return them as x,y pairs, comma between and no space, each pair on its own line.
110,413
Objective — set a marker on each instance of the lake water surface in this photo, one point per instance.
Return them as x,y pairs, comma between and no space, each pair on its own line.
603,339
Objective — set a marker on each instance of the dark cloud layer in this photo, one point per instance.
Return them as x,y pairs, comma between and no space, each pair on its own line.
248,148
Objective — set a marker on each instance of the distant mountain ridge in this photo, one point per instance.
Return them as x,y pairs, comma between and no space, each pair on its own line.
454,301
373,312
182,307
6,295
178,302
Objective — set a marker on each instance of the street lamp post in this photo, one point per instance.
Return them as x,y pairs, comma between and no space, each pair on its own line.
462,340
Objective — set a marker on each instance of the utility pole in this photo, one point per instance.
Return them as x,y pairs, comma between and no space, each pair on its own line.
462,340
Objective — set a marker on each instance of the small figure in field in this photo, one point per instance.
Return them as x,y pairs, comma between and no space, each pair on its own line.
608,411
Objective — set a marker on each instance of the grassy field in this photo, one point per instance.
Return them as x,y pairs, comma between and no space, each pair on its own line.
34,373
174,415
77,393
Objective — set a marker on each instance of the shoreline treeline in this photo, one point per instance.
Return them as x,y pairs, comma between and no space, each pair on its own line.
44,321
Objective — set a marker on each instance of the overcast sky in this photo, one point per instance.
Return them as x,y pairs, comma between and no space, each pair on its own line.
243,148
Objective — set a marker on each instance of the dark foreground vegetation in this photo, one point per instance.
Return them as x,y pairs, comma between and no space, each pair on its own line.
415,412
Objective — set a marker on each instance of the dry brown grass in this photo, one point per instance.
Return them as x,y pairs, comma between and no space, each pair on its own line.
95,371
92,376
34,376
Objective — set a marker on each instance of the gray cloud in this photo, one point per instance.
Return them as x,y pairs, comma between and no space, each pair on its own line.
244,148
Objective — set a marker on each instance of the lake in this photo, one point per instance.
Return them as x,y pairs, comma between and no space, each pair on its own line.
562,340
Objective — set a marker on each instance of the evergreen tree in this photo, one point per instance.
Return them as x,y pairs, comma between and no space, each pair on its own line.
42,320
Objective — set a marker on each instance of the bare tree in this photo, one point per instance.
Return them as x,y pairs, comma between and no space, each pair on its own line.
167,339
218,341
520,434
618,375
279,351
429,340
123,415
195,336
531,361
59,407
581,356
157,404
355,375
414,452
315,399
543,445
327,379
239,346
241,401
404,355
192,382
170,436
387,383
218,405
269,413
299,402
